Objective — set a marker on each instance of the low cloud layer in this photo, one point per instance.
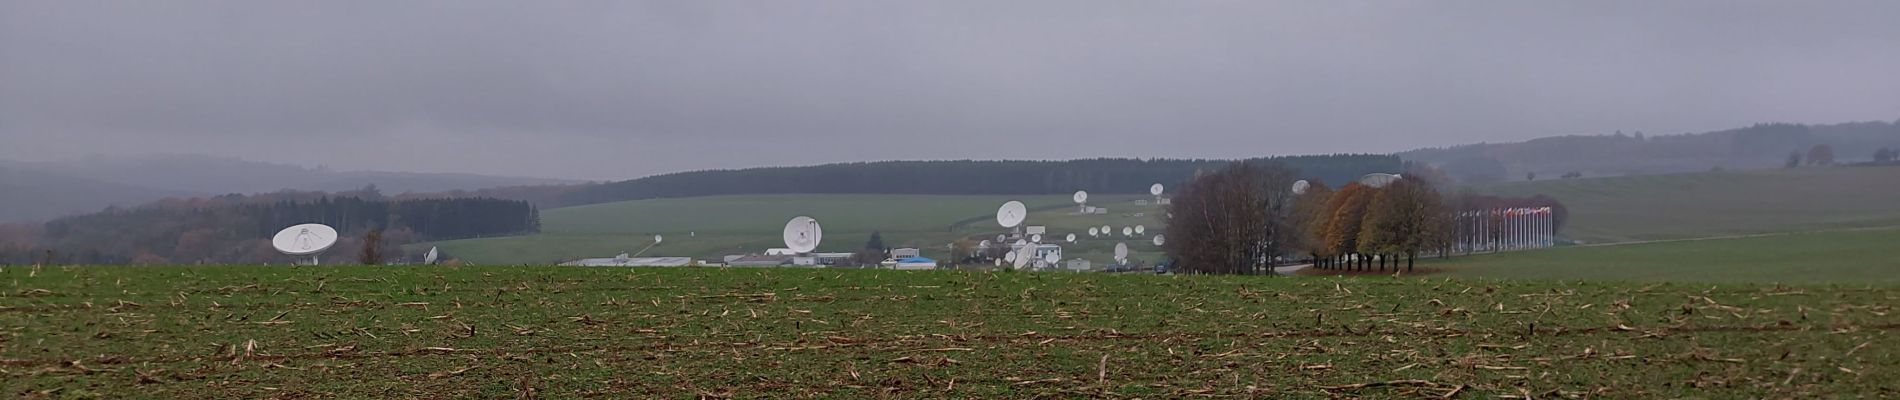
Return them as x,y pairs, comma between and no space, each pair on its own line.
614,90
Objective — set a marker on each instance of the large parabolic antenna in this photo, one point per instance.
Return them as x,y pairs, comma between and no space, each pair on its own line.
1155,189
1081,196
1025,255
304,239
803,234
1300,186
431,256
1011,214
1378,179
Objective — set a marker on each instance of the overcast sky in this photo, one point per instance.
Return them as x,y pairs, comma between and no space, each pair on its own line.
621,89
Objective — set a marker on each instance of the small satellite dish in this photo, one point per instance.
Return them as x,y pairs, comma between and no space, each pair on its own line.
1155,189
1011,214
431,256
1071,238
1378,179
1141,230
1093,232
304,239
1001,238
657,239
1010,257
1020,243
983,245
1159,240
1052,257
803,234
1037,238
1121,251
1300,186
1081,196
1107,231
1127,231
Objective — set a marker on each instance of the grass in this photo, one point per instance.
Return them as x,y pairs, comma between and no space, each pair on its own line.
1637,208
709,227
1858,256
487,332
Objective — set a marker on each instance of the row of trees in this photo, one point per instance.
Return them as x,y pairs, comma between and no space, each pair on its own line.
236,229
1243,218
1357,224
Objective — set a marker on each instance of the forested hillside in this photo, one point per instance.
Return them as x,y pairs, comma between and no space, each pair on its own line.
1755,147
1104,175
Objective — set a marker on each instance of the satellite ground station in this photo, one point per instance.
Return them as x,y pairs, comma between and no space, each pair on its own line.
303,240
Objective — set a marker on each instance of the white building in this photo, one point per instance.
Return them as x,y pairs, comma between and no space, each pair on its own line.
907,252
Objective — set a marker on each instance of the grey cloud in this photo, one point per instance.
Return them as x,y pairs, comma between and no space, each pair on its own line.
608,90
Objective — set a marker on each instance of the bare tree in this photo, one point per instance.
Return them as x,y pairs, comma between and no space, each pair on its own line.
1231,221
1821,154
372,247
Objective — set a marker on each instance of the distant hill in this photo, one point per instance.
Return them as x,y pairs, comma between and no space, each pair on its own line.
32,194
1754,147
965,177
222,175
52,189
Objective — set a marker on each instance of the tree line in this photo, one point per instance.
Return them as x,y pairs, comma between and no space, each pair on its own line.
1101,175
1245,218
237,228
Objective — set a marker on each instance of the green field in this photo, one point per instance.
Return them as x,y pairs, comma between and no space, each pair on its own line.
550,332
1623,209
713,226
1856,256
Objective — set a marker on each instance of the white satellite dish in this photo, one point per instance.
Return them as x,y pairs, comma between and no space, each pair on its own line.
657,239
431,256
1037,238
999,262
1011,214
1010,257
1093,232
1300,186
1127,231
1081,196
1071,238
983,245
1001,238
1106,231
1027,254
1121,251
1052,257
1155,189
1378,179
1020,243
1141,230
1159,240
803,234
304,240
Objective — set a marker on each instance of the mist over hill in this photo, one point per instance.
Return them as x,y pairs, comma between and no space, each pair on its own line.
1760,146
43,190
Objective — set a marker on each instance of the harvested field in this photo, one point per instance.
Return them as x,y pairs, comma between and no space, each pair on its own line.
411,332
